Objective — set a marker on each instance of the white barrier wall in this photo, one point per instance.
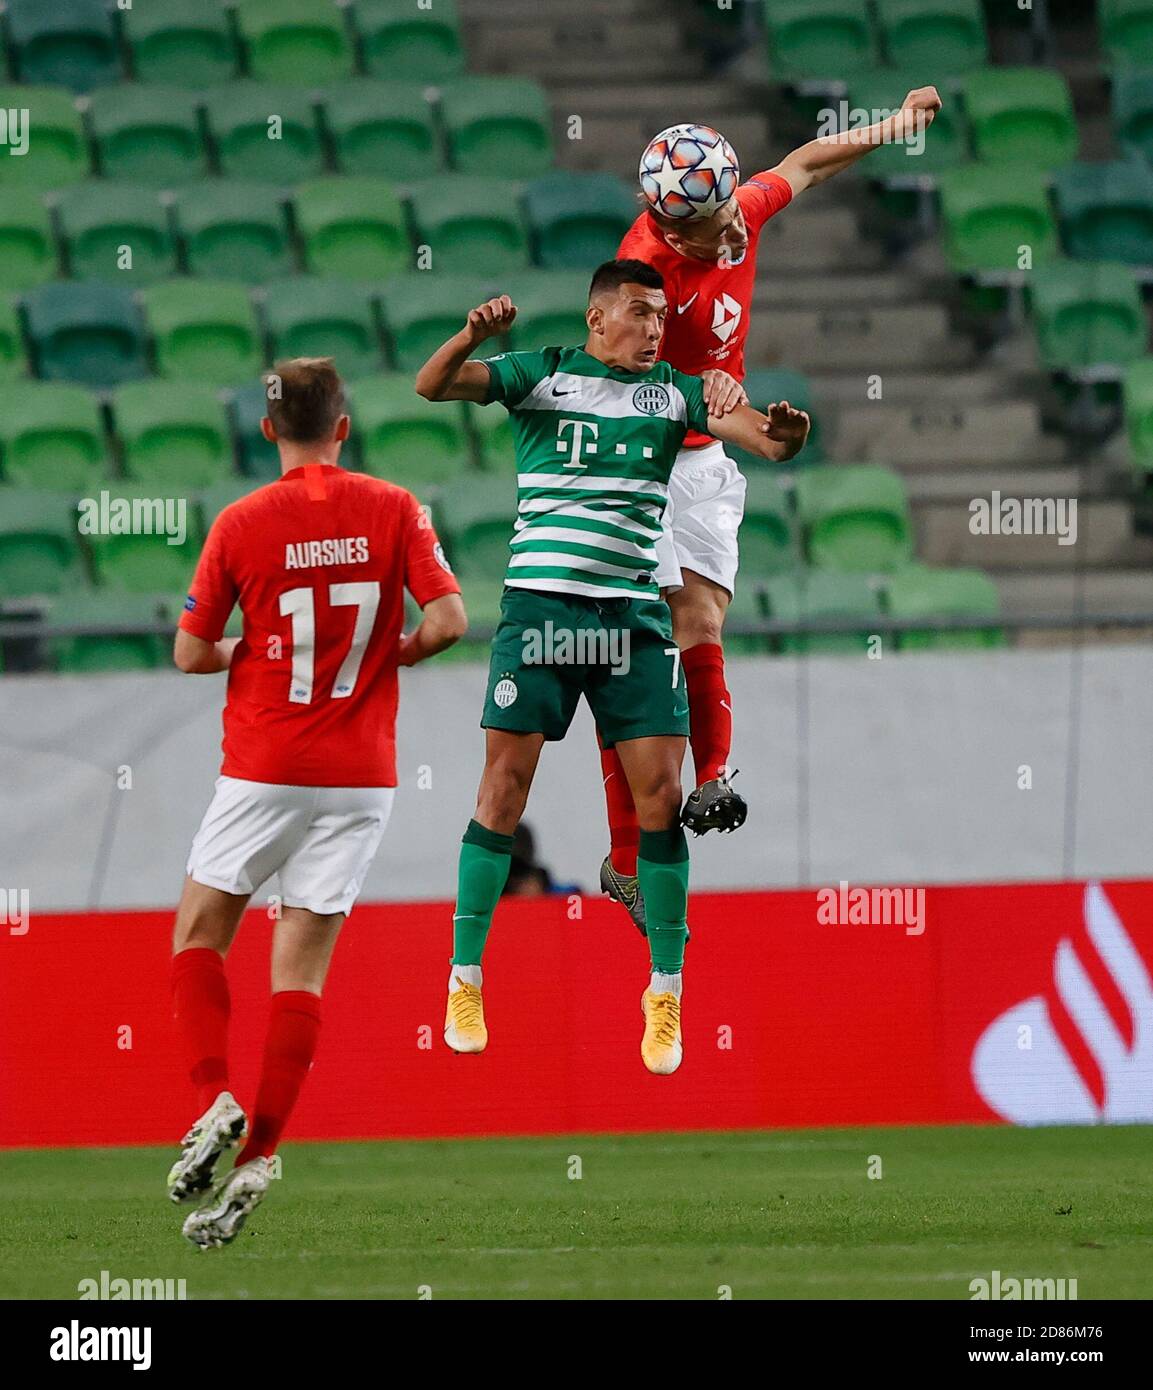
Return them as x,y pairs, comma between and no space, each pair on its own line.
910,769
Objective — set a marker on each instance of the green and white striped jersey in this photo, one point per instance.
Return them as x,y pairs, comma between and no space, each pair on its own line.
595,447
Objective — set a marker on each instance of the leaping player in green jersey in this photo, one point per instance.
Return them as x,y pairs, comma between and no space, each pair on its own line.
597,431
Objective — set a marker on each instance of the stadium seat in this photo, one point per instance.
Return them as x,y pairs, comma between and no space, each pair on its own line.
187,41
214,499
917,592
324,318
474,518
12,360
204,331
492,429
855,518
424,309
235,230
352,228
577,220
295,41
266,132
57,150
67,42
142,561
1088,315
499,126
470,223
1137,392
746,608
768,532
39,550
398,37
52,438
823,596
944,37
1127,32
258,458
552,305
404,438
946,141
86,332
383,128
1021,115
172,435
27,248
990,211
819,38
1133,112
99,219
92,652
767,386
148,134
1106,211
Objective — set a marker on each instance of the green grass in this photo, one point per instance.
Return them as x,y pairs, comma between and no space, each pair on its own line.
784,1214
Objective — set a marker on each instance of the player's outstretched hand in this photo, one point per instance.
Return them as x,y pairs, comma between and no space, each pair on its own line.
723,393
492,319
926,101
786,425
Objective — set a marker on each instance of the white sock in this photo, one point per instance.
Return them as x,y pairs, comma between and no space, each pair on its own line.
665,984
463,974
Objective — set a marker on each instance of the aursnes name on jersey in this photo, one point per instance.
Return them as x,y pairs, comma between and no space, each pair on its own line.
346,550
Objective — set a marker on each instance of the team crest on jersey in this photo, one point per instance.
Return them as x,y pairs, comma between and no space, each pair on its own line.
651,399
505,692
441,559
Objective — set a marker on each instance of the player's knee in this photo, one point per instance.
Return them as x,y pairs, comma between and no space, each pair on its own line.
699,620
503,796
659,803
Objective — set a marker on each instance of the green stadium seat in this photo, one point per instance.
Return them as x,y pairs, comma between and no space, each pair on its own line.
383,128
819,38
1137,393
173,435
100,218
470,222
143,561
89,653
405,438
497,125
310,317
186,41
944,37
1133,112
1127,32
27,247
352,228
946,141
769,542
855,518
474,518
767,386
990,211
258,458
265,132
86,332
917,592
746,608
39,549
12,360
482,598
214,499
148,135
57,150
295,41
396,36
204,331
67,42
52,438
422,310
551,308
1088,316
1021,115
1106,211
492,429
235,230
577,220
816,596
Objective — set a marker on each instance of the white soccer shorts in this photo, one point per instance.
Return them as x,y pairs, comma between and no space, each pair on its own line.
704,513
319,840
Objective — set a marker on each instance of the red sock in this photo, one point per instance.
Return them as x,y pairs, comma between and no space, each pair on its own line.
624,830
201,1007
710,709
293,1028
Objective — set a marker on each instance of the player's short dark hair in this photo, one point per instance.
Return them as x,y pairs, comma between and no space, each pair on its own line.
306,398
613,274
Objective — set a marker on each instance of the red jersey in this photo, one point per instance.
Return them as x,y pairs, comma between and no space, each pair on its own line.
319,562
709,302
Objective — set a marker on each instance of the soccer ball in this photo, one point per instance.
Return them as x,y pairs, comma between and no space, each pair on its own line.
689,172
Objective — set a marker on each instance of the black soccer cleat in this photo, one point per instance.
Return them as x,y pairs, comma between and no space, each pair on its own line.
626,891
714,806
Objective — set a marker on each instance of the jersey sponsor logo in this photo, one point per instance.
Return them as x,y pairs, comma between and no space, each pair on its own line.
651,399
726,317
577,446
684,308
441,558
505,692
344,550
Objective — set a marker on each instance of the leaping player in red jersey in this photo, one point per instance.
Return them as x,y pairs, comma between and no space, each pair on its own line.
709,267
319,562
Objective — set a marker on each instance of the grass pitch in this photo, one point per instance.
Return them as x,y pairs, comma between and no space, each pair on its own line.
783,1214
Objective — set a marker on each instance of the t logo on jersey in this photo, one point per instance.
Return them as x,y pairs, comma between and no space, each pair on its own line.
577,445
726,317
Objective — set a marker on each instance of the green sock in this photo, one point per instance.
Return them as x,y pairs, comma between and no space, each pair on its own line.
663,869
485,859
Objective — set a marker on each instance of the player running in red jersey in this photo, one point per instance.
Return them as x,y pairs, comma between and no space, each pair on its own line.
709,268
318,562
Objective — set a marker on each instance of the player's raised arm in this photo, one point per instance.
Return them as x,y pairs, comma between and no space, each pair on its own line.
820,159
448,375
778,436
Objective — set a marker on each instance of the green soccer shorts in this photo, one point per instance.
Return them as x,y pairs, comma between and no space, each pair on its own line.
549,649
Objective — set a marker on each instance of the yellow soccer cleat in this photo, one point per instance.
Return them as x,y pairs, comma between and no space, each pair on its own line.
661,1048
464,1029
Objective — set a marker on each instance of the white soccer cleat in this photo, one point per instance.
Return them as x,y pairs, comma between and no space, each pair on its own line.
220,1219
222,1126
661,1048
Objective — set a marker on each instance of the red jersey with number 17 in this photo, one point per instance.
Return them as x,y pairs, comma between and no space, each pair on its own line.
709,301
319,562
